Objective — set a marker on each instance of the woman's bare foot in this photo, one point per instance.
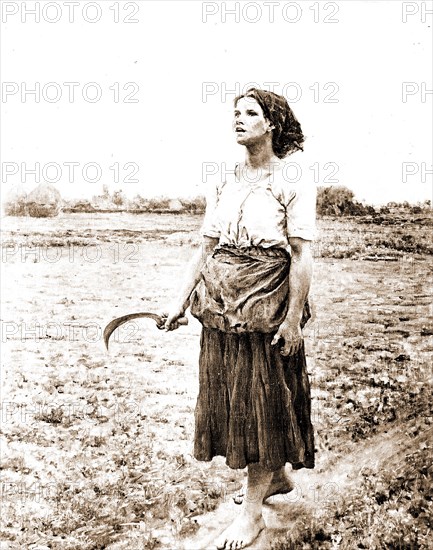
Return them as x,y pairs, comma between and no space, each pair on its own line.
281,484
241,533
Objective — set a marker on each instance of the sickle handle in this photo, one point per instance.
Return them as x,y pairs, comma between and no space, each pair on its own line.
116,323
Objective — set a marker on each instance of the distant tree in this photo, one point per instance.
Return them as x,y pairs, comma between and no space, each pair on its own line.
196,205
339,201
159,203
118,198
333,200
139,203
16,202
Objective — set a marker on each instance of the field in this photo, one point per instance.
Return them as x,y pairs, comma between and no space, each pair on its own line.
97,447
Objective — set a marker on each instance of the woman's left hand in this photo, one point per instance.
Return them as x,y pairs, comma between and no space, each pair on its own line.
292,335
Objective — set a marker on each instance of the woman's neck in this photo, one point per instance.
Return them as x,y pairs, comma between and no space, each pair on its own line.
259,164
260,156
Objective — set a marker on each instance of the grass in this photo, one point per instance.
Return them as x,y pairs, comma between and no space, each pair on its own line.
97,448
387,510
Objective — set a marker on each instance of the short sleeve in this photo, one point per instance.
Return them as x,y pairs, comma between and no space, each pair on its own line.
300,205
210,226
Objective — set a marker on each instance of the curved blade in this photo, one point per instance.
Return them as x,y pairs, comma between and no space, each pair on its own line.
116,323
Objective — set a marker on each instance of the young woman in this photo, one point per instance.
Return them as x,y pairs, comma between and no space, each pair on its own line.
248,286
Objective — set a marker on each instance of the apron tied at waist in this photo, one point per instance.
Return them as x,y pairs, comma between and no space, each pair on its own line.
244,290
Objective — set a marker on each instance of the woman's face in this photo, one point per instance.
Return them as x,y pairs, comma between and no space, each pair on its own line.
249,122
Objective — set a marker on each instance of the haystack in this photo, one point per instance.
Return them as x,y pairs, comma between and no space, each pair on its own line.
175,205
44,201
15,202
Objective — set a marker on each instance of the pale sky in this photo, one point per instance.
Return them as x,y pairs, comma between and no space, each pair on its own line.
361,61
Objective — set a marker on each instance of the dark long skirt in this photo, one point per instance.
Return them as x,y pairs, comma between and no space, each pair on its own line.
253,403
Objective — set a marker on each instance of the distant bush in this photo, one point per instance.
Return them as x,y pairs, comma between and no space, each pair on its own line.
339,201
36,210
16,207
158,203
78,205
196,205
417,208
118,198
139,203
420,208
117,201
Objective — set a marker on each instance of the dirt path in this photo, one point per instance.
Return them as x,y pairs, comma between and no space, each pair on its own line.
314,490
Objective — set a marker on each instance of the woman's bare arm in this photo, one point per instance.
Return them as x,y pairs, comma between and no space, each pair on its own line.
301,269
190,281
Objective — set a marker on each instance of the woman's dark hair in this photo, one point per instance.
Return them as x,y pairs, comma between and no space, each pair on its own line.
287,136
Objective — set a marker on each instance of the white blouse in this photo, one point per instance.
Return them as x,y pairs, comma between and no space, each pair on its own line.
263,214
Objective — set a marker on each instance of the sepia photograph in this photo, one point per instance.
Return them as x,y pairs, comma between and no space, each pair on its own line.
216,277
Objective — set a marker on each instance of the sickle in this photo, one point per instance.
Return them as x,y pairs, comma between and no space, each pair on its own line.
116,323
